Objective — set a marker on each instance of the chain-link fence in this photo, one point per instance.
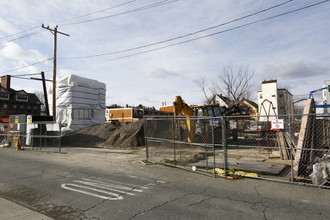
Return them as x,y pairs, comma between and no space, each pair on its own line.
34,136
290,148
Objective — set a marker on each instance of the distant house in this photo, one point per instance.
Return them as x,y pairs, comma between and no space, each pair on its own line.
221,100
273,101
252,106
13,102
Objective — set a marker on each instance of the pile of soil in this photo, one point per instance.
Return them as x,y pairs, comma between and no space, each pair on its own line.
107,135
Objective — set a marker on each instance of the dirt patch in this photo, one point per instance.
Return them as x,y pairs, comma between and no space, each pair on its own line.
106,135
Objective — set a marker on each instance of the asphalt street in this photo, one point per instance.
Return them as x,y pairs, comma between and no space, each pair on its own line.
91,183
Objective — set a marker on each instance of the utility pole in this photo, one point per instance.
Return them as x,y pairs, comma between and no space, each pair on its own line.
54,32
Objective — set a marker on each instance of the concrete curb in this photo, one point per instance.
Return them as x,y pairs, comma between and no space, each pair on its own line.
12,211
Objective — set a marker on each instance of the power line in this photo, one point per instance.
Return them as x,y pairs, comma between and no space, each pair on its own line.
32,64
157,4
220,32
21,37
223,31
81,16
102,10
181,36
29,74
32,28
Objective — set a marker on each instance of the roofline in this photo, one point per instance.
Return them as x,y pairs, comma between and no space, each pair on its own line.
286,90
269,81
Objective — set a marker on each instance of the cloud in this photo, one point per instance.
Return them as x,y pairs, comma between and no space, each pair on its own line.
6,27
14,51
162,73
292,70
15,57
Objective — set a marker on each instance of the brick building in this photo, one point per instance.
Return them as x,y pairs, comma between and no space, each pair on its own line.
13,102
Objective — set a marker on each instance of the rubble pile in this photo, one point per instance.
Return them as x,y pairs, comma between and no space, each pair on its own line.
107,135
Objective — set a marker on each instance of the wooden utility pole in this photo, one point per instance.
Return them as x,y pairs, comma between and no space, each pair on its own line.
54,32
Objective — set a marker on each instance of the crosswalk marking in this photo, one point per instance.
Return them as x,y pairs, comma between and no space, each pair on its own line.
108,189
112,188
115,196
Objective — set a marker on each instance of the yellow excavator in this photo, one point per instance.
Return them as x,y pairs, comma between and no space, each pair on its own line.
182,108
211,110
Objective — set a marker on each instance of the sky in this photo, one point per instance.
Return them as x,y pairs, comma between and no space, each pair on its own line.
147,52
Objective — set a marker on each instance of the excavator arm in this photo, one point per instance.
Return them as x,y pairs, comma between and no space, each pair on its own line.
181,108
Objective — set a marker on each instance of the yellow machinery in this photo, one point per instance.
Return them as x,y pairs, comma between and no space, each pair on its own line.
182,108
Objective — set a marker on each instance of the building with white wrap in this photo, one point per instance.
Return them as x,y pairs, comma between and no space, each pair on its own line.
80,102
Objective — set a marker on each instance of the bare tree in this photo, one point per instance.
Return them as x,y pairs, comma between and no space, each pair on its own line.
235,84
40,96
202,83
232,83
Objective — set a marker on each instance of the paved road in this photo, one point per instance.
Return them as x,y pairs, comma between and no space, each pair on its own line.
113,184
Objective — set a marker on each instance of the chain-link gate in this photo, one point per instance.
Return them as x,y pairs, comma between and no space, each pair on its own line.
34,136
290,148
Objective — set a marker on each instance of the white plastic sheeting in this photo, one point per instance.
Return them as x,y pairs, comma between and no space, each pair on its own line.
80,102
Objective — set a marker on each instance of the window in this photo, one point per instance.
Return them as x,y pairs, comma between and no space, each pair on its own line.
5,106
273,95
14,107
261,96
4,95
28,108
21,108
20,97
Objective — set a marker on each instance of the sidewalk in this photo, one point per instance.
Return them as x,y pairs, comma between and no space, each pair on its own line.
12,211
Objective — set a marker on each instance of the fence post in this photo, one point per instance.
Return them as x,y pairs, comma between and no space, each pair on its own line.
213,143
291,149
60,138
174,125
146,139
224,144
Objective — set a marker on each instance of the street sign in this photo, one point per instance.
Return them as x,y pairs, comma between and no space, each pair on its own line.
277,124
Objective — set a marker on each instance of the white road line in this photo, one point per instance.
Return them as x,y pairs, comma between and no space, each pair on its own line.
116,196
115,186
112,188
102,189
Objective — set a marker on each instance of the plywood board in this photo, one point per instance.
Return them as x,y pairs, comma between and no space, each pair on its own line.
304,130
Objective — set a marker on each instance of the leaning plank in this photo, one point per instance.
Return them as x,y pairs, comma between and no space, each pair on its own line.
291,145
282,145
298,166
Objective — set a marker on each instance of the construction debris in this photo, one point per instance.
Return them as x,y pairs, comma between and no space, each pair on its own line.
321,171
286,145
107,135
222,172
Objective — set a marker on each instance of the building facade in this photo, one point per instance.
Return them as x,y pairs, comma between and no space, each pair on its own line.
14,102
274,102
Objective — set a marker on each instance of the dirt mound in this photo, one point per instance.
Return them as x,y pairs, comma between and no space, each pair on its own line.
106,135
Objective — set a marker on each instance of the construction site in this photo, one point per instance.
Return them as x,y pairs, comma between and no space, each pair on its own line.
231,140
